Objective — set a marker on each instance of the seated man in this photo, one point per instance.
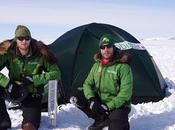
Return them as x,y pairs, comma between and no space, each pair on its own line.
108,87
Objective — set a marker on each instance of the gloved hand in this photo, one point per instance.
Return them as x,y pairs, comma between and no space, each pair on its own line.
94,105
27,80
103,109
13,90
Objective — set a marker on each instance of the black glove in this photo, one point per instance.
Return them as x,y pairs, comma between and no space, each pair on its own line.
103,109
12,90
94,105
97,107
15,92
27,80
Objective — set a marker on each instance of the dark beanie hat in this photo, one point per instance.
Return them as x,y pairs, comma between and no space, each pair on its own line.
106,39
22,31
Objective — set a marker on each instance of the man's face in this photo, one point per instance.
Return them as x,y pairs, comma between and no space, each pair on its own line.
106,51
23,43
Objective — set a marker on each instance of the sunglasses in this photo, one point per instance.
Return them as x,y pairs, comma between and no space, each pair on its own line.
108,46
24,38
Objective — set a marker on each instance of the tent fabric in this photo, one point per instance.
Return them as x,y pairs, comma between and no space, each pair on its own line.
75,51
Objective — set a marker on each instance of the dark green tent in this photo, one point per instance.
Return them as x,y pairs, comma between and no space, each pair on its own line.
76,48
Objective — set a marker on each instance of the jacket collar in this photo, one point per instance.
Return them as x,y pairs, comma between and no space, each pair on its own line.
122,57
32,49
36,48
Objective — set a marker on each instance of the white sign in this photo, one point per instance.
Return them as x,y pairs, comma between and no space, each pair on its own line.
52,102
129,45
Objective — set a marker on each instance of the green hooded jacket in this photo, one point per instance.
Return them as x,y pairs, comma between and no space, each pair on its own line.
112,82
40,64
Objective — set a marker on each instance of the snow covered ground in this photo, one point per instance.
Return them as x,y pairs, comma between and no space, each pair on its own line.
146,116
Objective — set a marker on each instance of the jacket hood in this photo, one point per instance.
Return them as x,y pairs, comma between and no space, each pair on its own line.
4,46
119,57
37,48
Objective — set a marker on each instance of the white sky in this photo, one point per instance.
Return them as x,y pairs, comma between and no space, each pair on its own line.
49,19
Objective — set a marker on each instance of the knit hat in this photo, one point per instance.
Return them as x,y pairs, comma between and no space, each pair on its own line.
106,39
22,31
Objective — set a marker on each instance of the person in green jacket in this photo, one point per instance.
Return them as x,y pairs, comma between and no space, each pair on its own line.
31,65
108,87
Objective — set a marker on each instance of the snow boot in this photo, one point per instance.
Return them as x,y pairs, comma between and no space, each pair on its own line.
5,122
28,126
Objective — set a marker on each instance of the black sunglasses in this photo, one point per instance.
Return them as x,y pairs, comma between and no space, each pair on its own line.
108,46
27,38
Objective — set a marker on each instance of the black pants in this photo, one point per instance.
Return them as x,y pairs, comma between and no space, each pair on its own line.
5,121
31,108
118,119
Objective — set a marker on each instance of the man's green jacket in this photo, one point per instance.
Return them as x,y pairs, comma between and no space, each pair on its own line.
112,82
35,64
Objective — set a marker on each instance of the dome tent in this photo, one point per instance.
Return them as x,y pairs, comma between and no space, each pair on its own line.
75,51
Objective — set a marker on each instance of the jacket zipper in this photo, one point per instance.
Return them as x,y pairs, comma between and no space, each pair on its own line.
99,93
24,71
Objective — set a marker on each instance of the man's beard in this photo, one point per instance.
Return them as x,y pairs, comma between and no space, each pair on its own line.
107,55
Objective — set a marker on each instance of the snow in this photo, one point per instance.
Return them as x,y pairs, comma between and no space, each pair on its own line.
146,116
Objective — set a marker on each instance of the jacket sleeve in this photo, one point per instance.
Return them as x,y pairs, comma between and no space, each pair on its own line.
52,72
89,84
125,93
3,79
